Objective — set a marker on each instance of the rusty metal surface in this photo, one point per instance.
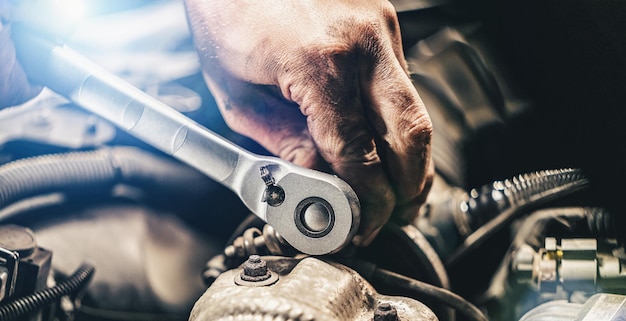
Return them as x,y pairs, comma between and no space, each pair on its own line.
308,289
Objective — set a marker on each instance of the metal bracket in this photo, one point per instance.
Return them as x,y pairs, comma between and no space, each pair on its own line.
8,272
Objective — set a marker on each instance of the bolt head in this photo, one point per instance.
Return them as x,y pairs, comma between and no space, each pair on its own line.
386,312
254,266
274,195
255,269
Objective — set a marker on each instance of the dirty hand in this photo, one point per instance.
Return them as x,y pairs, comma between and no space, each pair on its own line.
322,83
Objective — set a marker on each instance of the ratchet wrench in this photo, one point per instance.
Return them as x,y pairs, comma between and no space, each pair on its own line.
317,213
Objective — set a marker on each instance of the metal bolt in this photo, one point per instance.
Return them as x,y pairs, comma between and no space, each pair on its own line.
274,195
385,312
255,269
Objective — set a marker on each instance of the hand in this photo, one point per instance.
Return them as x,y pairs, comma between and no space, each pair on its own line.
322,83
14,86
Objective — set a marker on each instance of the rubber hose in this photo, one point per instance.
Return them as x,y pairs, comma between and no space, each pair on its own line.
541,186
600,222
39,299
101,168
527,190
502,201
425,290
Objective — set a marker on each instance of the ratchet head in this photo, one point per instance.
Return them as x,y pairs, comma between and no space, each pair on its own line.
319,213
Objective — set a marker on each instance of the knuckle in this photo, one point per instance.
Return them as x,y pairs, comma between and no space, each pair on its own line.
418,135
298,151
318,73
389,13
331,60
359,149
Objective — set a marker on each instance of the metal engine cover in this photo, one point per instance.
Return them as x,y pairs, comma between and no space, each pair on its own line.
307,289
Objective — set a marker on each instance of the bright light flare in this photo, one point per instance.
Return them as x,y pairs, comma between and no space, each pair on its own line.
72,11
53,17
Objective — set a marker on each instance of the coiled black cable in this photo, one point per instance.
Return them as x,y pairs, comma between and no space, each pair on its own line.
500,202
39,299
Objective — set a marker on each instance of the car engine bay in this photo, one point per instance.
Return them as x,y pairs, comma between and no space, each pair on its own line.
523,222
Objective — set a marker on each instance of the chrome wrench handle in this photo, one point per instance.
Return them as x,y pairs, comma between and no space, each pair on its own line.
317,213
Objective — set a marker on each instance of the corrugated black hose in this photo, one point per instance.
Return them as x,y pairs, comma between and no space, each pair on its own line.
490,208
30,303
101,168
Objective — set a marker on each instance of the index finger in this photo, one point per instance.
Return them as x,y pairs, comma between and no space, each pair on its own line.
400,121
330,98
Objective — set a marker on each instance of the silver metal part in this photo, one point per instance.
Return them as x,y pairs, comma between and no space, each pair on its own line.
599,307
8,272
571,265
51,119
90,86
308,289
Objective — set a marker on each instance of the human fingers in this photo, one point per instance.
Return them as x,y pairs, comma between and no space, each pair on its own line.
324,82
259,112
400,121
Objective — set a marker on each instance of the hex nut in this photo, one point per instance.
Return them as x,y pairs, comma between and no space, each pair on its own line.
386,312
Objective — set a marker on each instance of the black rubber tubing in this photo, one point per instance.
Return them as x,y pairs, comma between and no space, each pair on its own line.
30,303
523,192
93,169
422,289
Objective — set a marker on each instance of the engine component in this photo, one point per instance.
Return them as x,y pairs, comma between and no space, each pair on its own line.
517,285
8,272
50,119
103,168
404,250
600,307
24,267
340,294
32,302
465,220
256,273
574,265
381,277
252,242
386,312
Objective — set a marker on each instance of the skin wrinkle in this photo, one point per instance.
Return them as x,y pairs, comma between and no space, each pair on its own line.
416,131
323,70
298,151
246,113
271,62
342,82
252,111
393,29
352,150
